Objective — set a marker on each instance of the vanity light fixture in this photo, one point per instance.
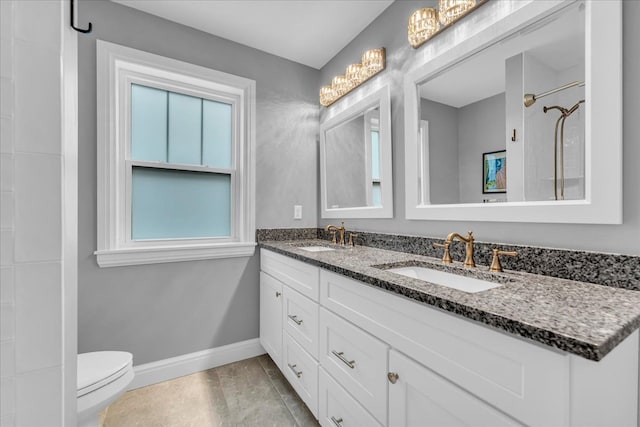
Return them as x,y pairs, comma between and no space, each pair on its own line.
427,22
452,10
373,61
422,25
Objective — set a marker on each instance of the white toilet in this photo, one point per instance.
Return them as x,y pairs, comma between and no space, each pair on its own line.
103,376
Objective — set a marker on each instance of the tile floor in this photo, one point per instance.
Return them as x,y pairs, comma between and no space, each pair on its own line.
251,392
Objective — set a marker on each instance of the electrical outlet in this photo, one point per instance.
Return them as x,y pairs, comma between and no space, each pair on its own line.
297,211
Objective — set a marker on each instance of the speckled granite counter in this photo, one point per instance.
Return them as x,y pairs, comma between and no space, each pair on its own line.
581,318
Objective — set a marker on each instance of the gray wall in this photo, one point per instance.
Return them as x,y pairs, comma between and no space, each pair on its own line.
346,162
480,130
389,30
443,151
164,310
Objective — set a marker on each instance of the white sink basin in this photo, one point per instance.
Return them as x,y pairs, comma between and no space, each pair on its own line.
462,283
316,248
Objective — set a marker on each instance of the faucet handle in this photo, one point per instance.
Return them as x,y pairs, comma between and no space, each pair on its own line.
352,237
333,236
495,263
446,257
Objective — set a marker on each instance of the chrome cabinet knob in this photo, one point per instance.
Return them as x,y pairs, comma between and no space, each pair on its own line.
393,377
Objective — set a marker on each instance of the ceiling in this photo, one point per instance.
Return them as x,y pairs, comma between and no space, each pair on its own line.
310,32
557,42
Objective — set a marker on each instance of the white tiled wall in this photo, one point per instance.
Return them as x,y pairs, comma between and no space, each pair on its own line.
31,292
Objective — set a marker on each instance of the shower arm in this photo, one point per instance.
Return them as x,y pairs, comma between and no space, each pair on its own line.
530,98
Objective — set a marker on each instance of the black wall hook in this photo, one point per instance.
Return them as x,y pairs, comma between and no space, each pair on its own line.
80,30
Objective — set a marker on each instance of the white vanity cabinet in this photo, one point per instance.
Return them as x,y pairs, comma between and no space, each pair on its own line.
271,317
289,322
377,358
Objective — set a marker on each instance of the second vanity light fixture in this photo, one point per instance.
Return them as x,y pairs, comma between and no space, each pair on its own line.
425,23
373,61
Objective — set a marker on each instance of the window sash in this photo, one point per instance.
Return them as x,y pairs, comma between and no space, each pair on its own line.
126,173
128,241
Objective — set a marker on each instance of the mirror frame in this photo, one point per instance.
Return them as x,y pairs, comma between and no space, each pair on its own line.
380,98
603,92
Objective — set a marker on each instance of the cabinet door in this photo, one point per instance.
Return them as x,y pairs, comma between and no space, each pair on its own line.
271,317
422,398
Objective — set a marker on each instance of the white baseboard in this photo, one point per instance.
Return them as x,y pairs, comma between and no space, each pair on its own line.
174,367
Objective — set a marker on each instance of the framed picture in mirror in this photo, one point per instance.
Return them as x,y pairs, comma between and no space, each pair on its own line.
494,172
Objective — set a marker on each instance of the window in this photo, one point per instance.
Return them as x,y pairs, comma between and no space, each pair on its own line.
372,150
175,160
375,169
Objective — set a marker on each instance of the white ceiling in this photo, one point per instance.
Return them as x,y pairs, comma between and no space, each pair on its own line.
310,32
557,42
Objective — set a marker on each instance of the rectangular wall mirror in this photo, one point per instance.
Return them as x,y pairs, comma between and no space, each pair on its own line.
355,160
520,141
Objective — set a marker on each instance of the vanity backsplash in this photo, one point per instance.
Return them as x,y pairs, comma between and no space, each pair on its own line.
620,271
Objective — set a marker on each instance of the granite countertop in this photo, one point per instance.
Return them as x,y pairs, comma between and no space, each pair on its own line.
581,318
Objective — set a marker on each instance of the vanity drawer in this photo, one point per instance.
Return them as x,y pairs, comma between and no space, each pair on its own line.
336,406
302,372
300,320
356,360
300,276
523,379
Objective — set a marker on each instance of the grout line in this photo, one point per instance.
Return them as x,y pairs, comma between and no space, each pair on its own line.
276,389
295,420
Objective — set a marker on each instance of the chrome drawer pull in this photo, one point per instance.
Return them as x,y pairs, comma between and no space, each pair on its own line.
337,422
393,377
295,319
351,364
278,294
293,368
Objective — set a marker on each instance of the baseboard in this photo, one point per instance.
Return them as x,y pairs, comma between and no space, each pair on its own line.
174,367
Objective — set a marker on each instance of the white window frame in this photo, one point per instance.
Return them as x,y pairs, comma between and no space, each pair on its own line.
119,67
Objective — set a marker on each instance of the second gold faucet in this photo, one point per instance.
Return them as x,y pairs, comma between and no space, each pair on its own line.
446,258
334,230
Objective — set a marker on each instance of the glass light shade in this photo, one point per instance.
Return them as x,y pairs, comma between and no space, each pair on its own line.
327,95
423,23
354,74
373,61
450,10
340,85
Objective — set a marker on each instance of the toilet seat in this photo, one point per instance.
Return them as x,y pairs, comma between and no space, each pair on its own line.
97,369
103,376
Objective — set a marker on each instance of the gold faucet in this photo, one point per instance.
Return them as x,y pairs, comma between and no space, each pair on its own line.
468,260
335,229
495,263
446,257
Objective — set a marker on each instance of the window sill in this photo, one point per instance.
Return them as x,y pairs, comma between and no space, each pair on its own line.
156,255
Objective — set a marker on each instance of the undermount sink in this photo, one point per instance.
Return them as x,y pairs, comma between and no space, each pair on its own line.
462,283
315,248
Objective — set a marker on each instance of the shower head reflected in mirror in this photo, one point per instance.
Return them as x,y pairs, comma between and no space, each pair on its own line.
530,98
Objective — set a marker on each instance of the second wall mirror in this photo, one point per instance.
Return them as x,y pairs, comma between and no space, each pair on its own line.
355,160
521,121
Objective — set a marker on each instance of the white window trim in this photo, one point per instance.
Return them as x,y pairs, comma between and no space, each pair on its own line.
119,66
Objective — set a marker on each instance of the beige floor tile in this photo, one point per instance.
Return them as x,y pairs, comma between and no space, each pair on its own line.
248,393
